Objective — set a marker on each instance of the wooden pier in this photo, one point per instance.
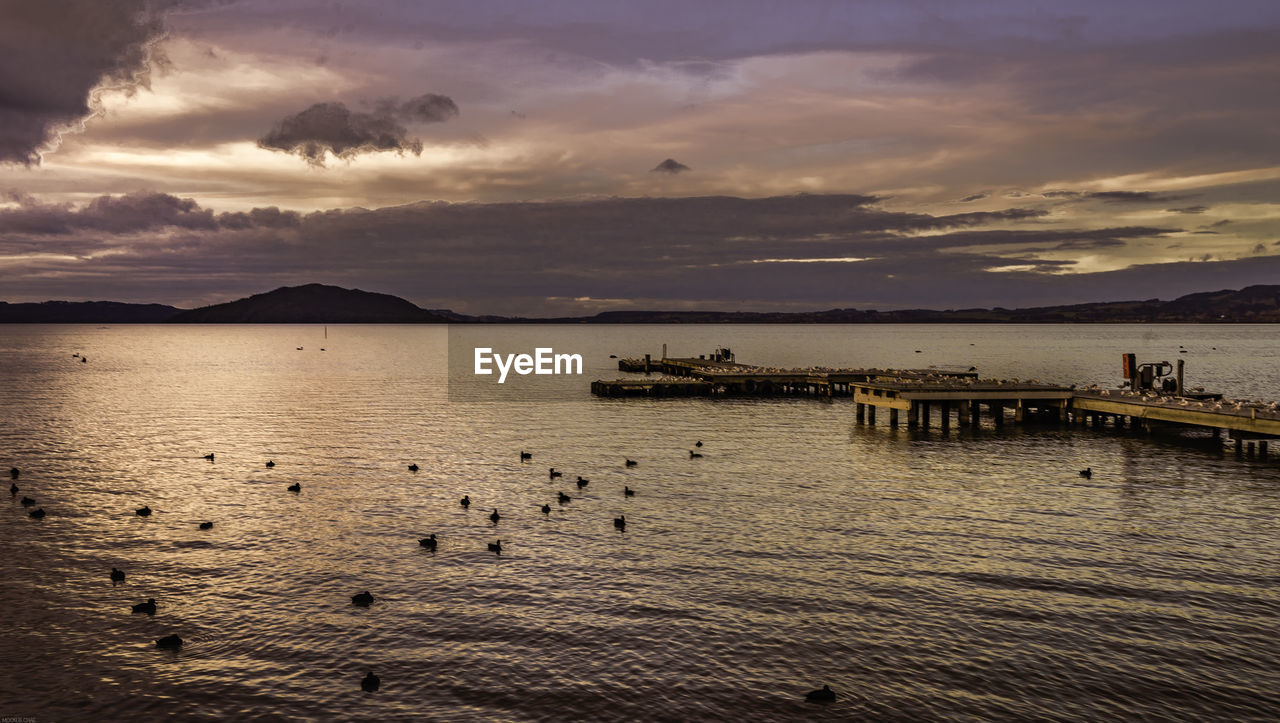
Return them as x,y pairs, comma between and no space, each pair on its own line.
925,398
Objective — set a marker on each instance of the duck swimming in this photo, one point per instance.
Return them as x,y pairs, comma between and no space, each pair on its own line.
169,641
413,467
825,695
295,487
562,497
693,454
428,542
620,522
553,473
117,575
36,514
270,464
363,599
496,547
525,455
546,509
1087,473
206,525
370,682
27,502
143,511
630,463
148,607
465,501
495,516
628,492
583,482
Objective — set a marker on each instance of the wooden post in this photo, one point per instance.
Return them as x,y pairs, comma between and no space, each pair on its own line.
997,413
1262,449
871,414
924,415
945,410
1018,413
913,415
1249,449
975,412
860,412
893,417
1239,446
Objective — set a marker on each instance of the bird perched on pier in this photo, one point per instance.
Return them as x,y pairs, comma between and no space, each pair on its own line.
148,607
496,547
628,492
495,516
693,454
428,542
562,497
363,599
583,482
206,525
413,467
631,463
169,641
465,501
295,487
370,683
620,522
1087,472
117,575
824,695
525,455
553,473
143,511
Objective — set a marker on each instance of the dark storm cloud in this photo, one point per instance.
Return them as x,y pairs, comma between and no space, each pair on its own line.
333,128
131,213
671,166
55,53
1120,197
1188,209
770,252
973,197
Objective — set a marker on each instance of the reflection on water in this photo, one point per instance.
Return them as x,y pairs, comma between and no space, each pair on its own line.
922,575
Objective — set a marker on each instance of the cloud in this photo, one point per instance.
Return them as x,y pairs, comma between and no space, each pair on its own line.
973,197
333,128
671,166
58,56
1188,209
1119,197
131,213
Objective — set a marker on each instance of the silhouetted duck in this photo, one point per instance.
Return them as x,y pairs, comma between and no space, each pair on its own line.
27,502
698,443
295,487
826,695
148,607
495,546
84,359
620,522
583,482
117,575
363,599
37,514
546,509
525,455
1087,473
631,463
206,525
693,454
143,511
428,542
370,682
562,497
628,492
13,489
413,468
465,501
495,516
169,641
209,456
270,464
14,472
553,473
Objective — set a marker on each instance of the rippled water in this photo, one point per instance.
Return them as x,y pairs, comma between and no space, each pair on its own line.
923,575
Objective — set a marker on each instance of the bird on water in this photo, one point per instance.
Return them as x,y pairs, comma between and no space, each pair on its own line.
562,497
628,492
496,546
583,482
169,641
428,542
495,516
206,525
525,455
27,502
546,509
14,472
620,522
117,575
553,473
630,462
370,682
1087,472
825,695
270,464
465,501
698,443
143,511
209,456
363,599
148,607
36,514
413,467
693,454
13,489
295,487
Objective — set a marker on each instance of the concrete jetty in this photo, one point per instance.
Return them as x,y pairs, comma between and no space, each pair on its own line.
924,398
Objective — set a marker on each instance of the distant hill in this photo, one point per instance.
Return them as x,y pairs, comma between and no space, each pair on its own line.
312,304
84,312
321,304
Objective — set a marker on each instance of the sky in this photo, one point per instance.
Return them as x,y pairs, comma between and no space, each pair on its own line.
564,158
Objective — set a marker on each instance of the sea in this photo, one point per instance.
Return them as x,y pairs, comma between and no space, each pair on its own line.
924,575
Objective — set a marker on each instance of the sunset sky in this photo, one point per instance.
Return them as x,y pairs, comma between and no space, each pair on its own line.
577,156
